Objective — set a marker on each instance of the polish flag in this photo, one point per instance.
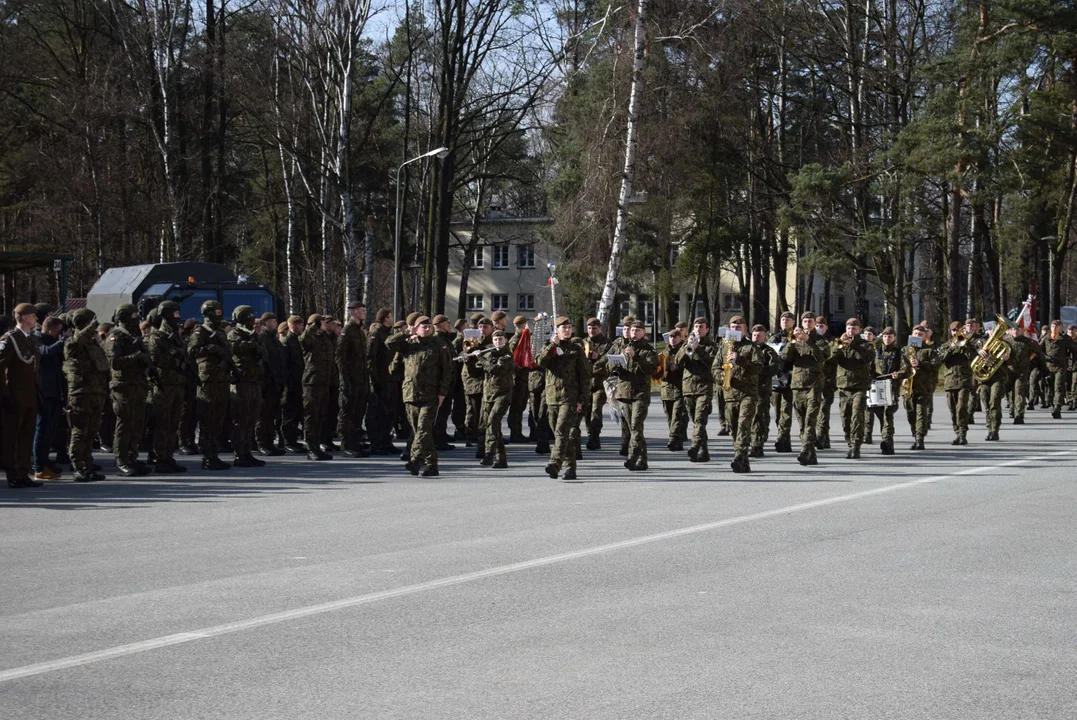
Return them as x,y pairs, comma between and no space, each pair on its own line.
1024,318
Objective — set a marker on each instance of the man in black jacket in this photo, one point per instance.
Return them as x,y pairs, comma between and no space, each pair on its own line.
265,431
49,412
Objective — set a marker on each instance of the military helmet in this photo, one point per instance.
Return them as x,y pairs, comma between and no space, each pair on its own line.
210,308
167,309
243,314
123,313
82,318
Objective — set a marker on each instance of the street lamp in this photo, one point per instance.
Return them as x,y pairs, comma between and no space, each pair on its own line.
441,153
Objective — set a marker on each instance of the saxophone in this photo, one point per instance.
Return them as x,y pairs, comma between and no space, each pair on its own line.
906,392
727,371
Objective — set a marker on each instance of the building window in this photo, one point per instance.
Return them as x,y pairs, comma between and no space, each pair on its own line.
646,310
474,302
501,256
526,302
677,308
839,305
526,257
477,258
730,301
499,302
626,308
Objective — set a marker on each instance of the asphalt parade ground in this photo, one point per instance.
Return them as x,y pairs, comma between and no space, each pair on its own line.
936,584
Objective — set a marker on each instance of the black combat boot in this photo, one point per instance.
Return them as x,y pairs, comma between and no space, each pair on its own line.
552,470
570,474
487,460
214,463
593,443
430,471
756,451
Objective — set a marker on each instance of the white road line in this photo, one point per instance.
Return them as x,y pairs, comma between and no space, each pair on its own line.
287,615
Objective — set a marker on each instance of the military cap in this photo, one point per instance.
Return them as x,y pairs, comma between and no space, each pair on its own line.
853,321
700,321
461,323
82,318
399,325
675,333
807,315
638,324
382,314
42,311
412,317
268,316
593,321
282,329
758,328
821,320
787,314
682,325
627,320
869,329
475,317
519,320
738,320
562,320
295,319
314,318
486,321
25,309
438,319
422,320
499,316
499,333
977,320
888,330
355,304
955,325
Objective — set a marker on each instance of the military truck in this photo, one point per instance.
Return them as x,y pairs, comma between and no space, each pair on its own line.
188,284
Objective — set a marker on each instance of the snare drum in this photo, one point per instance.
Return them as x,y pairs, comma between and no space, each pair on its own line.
881,393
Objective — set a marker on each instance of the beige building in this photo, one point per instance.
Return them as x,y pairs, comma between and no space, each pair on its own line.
509,271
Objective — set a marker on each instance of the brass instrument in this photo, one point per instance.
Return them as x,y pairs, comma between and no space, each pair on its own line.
998,351
659,373
960,339
588,347
727,370
906,390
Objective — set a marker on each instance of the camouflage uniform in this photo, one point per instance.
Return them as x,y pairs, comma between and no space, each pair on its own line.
697,386
209,347
86,368
518,402
855,368
595,400
923,392
250,360
472,377
273,389
354,384
170,358
781,395
129,362
567,379
743,392
1023,350
318,368
772,364
807,357
292,397
427,377
633,391
957,382
1059,353
499,384
828,389
673,399
888,359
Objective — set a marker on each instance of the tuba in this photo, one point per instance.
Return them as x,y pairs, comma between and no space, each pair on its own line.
998,351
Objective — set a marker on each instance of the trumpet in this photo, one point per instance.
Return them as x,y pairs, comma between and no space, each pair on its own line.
960,339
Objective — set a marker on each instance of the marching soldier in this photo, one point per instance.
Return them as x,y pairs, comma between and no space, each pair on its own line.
518,403
1059,352
695,356
954,358
427,382
922,390
208,347
772,363
806,351
249,359
855,358
354,383
472,375
782,394
20,377
829,388
444,333
1021,357
634,390
567,380
381,411
869,416
499,372
540,418
318,364
129,363
992,390
170,358
87,371
738,364
670,393
974,331
597,346
616,348
273,388
889,362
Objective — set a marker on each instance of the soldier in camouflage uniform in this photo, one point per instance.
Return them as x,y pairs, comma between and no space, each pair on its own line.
957,381
746,358
499,370
472,376
696,356
540,419
86,368
889,362
923,387
596,346
567,381
250,360
209,348
855,358
634,390
129,363
265,430
292,398
318,365
444,334
807,351
427,382
354,382
1060,353
616,348
781,395
1071,333
828,390
518,403
170,358
670,392
772,363
1025,349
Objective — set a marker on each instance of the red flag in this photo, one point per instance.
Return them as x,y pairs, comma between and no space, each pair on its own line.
522,354
1025,318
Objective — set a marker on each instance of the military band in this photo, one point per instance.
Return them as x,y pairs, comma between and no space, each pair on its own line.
255,386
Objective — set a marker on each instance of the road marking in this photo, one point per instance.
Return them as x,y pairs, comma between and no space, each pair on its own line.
310,610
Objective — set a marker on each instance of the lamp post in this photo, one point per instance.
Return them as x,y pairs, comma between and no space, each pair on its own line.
440,152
